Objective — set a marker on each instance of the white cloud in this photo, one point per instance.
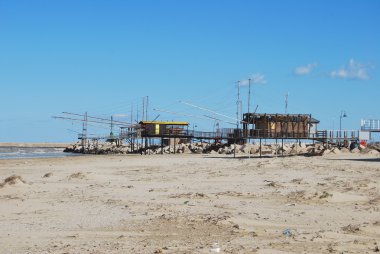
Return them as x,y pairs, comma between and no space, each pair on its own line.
304,70
352,70
256,78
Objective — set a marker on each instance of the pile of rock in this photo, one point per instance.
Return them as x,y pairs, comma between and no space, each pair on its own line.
207,148
101,148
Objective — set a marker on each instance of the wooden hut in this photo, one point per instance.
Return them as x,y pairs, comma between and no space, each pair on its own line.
158,129
278,125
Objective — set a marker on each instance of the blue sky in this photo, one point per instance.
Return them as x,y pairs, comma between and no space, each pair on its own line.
104,56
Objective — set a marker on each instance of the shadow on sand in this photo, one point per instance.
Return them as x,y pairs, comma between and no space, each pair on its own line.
360,159
240,157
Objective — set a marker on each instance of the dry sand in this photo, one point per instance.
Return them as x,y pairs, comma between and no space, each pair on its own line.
187,203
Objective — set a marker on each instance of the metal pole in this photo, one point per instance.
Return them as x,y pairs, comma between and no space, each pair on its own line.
238,104
143,109
249,93
111,132
340,124
286,103
237,115
146,109
248,113
84,132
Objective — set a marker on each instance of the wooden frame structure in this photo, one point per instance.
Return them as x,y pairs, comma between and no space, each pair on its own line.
288,126
159,129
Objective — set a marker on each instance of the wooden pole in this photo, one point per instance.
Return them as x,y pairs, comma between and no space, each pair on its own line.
282,147
260,147
162,145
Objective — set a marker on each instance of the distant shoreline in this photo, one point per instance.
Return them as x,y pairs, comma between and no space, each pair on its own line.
34,145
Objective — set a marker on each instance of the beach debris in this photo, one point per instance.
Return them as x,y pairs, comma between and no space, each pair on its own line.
330,248
78,175
215,248
375,200
325,194
48,175
288,232
253,234
351,228
297,180
297,195
189,195
187,202
12,180
273,184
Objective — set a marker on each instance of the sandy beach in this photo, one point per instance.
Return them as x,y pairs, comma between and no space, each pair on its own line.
190,204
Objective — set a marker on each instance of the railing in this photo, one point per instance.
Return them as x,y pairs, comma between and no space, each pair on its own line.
326,135
370,125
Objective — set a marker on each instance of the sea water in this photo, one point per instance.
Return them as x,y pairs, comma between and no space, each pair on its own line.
15,152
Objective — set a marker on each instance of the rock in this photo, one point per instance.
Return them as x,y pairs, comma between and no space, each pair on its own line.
228,150
254,150
326,152
292,151
221,151
185,149
205,145
303,150
310,149
355,150
373,152
266,151
237,147
245,148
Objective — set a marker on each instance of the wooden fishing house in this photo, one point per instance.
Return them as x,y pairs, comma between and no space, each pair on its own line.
171,133
159,129
298,126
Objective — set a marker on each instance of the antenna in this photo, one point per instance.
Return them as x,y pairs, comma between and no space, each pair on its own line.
84,130
111,133
143,109
146,108
131,113
237,114
286,102
249,93
137,112
237,104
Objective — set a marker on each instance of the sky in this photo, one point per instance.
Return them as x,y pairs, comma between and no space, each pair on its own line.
103,57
